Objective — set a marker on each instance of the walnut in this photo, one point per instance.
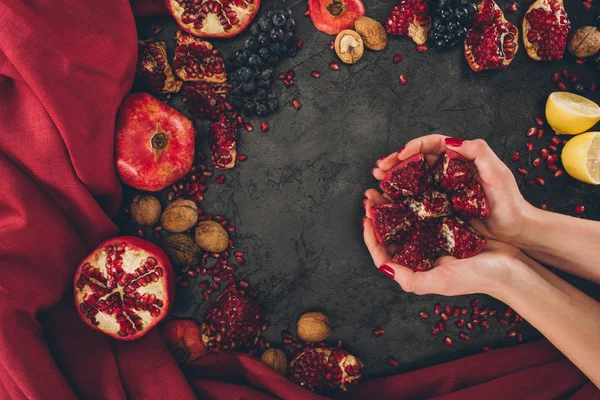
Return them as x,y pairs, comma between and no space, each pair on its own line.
275,359
349,46
372,33
145,210
181,249
211,236
314,327
584,42
180,215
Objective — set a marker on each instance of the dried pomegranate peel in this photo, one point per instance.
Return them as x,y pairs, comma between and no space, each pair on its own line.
333,16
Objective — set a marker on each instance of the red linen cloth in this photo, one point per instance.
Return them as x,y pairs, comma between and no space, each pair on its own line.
65,66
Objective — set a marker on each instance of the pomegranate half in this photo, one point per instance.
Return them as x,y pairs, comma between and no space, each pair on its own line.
213,18
333,16
545,30
124,287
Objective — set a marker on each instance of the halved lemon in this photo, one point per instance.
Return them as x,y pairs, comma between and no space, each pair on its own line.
568,113
581,157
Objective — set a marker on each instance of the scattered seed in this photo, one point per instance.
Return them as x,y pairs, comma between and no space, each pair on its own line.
378,332
559,173
460,323
397,58
403,80
264,126
392,361
580,61
540,181
552,158
512,333
556,77
220,179
290,75
448,342
287,82
281,75
464,311
241,157
444,316
562,86
448,309
536,162
531,132
470,326
422,48
486,348
520,337
516,157
544,207
540,133
424,315
316,74
296,104
579,209
334,66
474,302
437,308
299,43
248,127
307,13
441,326
544,153
435,331
463,335
593,86
529,146
339,344
485,324
522,171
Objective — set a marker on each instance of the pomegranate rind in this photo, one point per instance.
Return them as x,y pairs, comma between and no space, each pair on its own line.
452,171
490,30
554,10
139,164
149,70
330,24
381,215
409,178
139,277
415,21
471,202
212,27
460,240
431,204
204,57
184,339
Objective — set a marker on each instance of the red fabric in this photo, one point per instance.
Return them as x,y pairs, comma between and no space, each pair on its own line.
64,69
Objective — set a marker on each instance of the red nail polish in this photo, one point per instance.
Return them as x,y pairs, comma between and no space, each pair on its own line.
381,159
387,271
401,150
454,142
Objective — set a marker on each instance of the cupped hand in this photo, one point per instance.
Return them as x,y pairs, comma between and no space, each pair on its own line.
508,208
484,273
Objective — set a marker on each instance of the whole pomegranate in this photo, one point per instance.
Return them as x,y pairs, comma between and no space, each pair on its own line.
333,16
492,42
323,369
213,18
154,143
124,287
545,30
410,18
184,338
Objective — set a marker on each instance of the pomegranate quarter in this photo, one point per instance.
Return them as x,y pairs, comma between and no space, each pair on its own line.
124,287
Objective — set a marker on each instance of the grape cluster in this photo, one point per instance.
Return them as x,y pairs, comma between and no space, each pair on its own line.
252,70
451,20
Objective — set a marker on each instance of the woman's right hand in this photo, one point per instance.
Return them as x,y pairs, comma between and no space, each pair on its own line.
508,208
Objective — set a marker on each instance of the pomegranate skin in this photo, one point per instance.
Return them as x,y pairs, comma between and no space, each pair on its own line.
147,303
184,338
154,143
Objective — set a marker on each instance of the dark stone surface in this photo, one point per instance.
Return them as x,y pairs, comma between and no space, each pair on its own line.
296,202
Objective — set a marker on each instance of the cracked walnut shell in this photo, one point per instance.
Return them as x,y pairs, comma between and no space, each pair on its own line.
349,46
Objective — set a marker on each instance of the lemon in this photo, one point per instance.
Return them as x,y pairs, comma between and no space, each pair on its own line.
568,113
581,157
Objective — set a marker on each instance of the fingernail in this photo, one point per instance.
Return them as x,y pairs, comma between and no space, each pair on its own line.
373,171
454,142
381,159
387,271
400,151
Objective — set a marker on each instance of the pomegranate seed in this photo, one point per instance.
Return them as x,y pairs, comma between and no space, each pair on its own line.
456,312
299,43
463,335
220,180
579,209
574,78
205,294
486,348
559,173
403,80
240,260
508,312
437,308
441,326
332,45
290,75
424,315
296,104
529,146
287,341
552,148
378,332
544,153
244,284
555,77
522,171
544,207
444,316
287,83
520,337
397,58
484,312
512,8
536,162
264,126
555,140
334,66
460,323
531,132
593,86
281,76
566,73
476,320
470,326
493,313
580,61
392,361
516,157
562,86
552,159
539,121
540,181
156,29
249,127
474,302
512,333
448,309
540,133
485,324
422,48
307,13
448,342
315,74
464,311
339,344
502,321
435,331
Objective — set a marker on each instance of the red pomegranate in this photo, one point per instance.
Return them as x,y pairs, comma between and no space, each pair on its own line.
153,67
184,338
322,369
389,220
419,248
452,171
410,18
124,287
545,30
213,18
459,239
470,202
197,60
154,143
333,16
492,42
431,204
222,138
409,178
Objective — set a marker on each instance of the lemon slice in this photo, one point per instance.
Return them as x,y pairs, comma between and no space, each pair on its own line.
568,113
581,157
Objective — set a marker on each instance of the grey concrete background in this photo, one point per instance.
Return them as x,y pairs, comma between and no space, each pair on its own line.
297,201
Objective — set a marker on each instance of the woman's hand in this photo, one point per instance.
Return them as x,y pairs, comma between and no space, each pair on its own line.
508,208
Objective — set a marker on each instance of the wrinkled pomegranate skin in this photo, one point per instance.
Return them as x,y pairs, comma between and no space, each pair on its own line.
197,60
491,42
226,20
154,69
545,30
431,204
184,338
409,178
471,202
459,239
388,220
452,171
326,22
138,163
107,288
410,17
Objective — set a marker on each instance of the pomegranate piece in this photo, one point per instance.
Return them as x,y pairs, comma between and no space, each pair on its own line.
471,202
153,68
213,18
452,171
154,143
460,240
232,321
389,220
431,204
324,369
124,287
197,60
545,30
492,42
420,249
409,178
333,16
410,17
222,140
184,338
205,100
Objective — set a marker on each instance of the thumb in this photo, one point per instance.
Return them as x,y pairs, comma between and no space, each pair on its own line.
401,274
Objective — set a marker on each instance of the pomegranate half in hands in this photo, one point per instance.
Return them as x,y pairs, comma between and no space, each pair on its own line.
323,369
333,16
154,143
184,338
124,287
213,18
545,30
410,17
492,42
